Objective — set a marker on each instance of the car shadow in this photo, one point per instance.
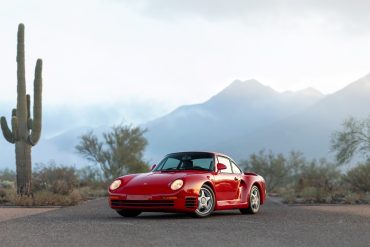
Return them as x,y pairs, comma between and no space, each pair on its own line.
179,216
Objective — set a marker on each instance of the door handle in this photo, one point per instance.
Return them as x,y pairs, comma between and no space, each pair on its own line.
236,179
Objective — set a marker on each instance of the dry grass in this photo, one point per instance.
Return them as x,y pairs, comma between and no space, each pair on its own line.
41,198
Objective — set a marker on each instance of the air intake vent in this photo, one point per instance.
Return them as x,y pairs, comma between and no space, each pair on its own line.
191,202
143,203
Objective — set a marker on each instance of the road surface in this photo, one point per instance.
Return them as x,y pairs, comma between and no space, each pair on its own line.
94,224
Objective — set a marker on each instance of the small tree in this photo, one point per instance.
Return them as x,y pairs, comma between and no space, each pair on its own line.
120,153
353,138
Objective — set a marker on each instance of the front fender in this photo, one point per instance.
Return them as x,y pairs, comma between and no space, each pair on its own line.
194,182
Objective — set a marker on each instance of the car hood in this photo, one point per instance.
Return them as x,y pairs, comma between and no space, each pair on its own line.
153,182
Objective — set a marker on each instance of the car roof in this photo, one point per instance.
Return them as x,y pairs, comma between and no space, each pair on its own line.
209,152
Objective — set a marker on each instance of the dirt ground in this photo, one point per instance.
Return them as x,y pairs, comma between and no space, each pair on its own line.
13,213
360,210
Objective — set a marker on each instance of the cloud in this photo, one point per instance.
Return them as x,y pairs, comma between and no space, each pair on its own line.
340,15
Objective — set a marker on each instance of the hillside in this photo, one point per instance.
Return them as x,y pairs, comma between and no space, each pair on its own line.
239,109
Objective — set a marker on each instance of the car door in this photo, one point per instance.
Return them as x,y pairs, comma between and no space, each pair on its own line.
226,182
237,176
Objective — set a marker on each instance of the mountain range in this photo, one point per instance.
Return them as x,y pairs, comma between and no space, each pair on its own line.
245,117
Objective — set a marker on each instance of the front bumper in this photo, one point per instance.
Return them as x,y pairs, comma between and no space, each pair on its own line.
175,202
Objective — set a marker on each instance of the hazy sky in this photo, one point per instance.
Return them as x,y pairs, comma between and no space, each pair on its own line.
164,53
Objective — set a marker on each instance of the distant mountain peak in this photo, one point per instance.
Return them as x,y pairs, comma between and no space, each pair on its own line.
243,90
248,87
251,83
310,91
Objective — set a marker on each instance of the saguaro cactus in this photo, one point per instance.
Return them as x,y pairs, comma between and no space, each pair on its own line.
25,132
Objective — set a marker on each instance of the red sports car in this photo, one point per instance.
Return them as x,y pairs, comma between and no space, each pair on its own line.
190,182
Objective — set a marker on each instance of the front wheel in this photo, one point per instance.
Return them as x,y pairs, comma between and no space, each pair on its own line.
206,202
126,213
254,201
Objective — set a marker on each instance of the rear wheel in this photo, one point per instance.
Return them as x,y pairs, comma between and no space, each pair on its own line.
126,213
206,202
254,201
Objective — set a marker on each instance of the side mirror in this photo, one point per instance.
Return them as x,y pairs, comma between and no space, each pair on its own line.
153,167
220,167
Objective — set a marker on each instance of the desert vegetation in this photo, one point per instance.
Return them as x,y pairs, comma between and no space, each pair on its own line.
54,185
299,180
59,185
120,152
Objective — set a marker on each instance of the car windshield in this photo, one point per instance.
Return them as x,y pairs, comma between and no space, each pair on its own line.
187,161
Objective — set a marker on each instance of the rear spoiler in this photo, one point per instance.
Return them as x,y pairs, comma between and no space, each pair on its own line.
251,173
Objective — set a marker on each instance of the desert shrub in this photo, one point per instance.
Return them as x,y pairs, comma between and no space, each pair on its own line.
91,177
2,195
56,179
318,181
7,175
47,198
7,184
7,179
41,198
17,200
272,167
358,178
89,193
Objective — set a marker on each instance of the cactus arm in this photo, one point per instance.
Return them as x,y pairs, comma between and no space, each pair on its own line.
37,105
7,133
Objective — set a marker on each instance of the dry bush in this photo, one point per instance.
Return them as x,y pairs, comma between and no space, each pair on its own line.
90,193
56,179
358,178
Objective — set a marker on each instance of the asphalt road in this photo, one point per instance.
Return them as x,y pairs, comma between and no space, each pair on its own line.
94,224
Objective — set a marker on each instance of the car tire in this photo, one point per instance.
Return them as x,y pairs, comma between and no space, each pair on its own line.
254,201
127,213
206,202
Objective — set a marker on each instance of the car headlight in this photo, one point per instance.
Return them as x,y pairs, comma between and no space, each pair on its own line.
177,184
115,185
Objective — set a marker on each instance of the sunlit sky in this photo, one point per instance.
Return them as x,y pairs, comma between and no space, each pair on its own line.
171,52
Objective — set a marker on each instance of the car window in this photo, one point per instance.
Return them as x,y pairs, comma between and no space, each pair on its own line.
226,162
236,168
187,161
171,163
205,163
